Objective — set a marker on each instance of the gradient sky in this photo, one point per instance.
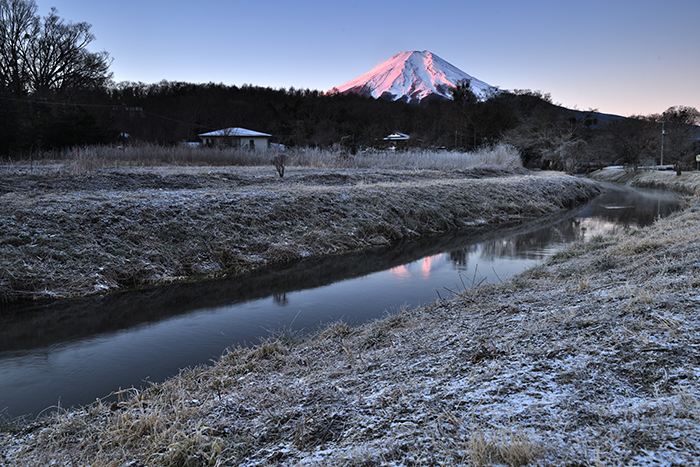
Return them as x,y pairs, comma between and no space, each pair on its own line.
626,57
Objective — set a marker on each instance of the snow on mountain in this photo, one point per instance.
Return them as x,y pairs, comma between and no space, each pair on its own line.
412,76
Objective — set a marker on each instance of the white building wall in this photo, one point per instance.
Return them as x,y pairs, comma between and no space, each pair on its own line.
259,142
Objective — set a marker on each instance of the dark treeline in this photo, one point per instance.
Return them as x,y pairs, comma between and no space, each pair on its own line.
547,135
55,94
172,112
299,117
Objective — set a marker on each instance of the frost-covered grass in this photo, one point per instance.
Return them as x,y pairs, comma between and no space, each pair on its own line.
579,361
67,234
500,155
151,155
688,182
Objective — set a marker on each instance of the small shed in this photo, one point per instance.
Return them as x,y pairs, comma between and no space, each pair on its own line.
237,138
397,137
397,140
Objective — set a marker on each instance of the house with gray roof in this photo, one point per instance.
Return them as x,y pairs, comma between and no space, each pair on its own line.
236,137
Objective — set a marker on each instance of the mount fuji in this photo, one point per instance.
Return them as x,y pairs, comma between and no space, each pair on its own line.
412,77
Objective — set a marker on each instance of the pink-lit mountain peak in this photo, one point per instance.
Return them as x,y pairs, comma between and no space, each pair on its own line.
412,76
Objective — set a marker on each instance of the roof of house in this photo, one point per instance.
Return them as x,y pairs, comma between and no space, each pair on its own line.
397,137
242,132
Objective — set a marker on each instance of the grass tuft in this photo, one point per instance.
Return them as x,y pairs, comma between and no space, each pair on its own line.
336,330
510,447
604,263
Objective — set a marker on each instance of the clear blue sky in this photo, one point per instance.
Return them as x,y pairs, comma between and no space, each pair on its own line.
617,56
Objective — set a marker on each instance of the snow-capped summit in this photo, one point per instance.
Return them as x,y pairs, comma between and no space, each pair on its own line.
412,76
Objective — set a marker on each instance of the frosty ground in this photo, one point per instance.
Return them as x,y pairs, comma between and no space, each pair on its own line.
589,359
71,234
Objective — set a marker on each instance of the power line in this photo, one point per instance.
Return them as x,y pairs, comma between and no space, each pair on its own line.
65,104
121,107
179,121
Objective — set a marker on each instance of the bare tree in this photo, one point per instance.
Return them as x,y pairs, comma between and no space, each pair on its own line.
664,138
279,161
18,25
680,133
550,139
465,103
46,56
632,140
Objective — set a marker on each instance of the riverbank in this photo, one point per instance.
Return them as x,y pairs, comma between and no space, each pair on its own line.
686,183
67,234
589,359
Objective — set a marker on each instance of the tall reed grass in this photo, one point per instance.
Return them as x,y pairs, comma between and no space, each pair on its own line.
148,155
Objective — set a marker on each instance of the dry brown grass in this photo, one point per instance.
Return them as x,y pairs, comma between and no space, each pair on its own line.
595,366
687,182
66,234
82,159
598,366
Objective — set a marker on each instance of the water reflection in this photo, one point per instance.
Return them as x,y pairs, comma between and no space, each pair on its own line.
404,272
121,340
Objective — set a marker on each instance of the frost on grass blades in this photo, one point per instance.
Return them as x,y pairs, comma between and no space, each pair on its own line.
70,234
150,155
569,364
580,362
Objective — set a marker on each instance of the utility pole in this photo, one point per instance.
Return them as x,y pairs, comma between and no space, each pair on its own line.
663,132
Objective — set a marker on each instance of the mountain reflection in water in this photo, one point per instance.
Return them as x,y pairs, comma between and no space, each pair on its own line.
77,351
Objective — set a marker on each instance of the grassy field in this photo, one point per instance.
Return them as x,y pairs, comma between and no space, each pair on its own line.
82,159
588,359
67,232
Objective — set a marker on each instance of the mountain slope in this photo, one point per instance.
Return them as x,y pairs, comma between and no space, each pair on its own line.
412,77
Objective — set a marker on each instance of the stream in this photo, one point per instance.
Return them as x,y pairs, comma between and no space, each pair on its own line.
64,354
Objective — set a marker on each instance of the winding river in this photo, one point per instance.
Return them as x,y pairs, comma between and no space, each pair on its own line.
66,354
